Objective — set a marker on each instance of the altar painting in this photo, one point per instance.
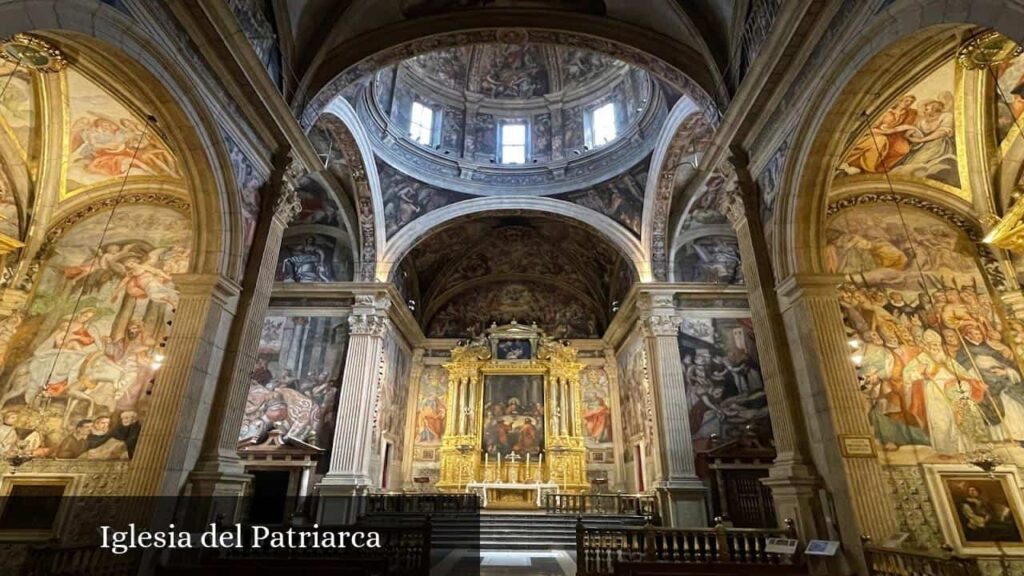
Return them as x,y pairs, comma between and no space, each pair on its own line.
514,414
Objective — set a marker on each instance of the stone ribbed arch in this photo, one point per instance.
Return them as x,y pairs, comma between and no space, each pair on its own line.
616,234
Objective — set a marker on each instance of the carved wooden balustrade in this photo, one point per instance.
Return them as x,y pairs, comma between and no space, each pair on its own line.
896,562
599,550
583,504
422,503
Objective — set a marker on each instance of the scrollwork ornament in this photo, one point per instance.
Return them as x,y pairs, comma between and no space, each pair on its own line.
286,203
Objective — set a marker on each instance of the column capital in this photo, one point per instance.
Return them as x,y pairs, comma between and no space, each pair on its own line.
368,325
657,325
799,286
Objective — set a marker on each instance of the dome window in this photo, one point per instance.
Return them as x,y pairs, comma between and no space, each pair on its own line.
512,143
603,127
423,127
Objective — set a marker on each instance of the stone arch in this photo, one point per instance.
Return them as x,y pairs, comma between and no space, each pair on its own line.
674,63
677,146
691,236
808,175
600,224
358,153
95,33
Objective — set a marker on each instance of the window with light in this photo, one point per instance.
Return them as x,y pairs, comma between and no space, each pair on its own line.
421,124
513,143
603,124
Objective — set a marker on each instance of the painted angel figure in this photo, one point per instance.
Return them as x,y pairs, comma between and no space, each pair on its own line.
103,267
144,280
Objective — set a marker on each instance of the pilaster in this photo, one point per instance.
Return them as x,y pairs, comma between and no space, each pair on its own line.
681,491
833,408
219,471
792,478
181,393
349,471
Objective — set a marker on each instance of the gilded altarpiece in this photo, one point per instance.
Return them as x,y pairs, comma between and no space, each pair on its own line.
514,415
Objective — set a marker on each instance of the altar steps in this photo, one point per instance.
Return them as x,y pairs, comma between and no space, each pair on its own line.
512,531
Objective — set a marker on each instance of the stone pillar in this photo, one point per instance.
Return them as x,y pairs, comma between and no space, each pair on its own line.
415,375
792,478
349,472
219,471
182,391
681,492
833,410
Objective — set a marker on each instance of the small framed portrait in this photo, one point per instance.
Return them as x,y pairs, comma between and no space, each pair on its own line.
34,508
514,350
980,512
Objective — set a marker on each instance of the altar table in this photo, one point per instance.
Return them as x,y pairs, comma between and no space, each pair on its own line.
481,488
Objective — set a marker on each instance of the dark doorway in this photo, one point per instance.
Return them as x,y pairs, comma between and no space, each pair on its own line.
269,496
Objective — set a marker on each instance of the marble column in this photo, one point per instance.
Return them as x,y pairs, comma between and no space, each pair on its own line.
349,472
793,479
181,393
219,471
681,492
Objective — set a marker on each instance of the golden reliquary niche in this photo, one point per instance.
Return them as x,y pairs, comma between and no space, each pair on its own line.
515,431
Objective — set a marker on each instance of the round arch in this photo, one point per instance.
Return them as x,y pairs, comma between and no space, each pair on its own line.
358,152
407,238
93,32
808,176
675,63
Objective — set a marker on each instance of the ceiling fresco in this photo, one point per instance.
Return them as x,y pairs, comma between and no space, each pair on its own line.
534,269
914,137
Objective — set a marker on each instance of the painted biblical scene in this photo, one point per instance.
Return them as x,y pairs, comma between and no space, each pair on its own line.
725,389
513,415
308,258
317,206
709,259
597,411
512,71
1009,95
77,364
107,141
248,181
620,198
559,312
984,512
936,375
9,217
431,406
406,199
18,105
914,137
513,350
294,386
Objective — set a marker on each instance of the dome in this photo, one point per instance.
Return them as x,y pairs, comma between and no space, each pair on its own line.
582,117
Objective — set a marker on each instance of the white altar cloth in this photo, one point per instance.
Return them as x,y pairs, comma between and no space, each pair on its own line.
481,488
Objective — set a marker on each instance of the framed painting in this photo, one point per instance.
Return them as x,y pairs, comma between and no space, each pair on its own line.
513,414
980,512
514,349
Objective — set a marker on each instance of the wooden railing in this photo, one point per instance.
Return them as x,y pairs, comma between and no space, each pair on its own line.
403,550
896,562
583,504
598,550
79,561
432,503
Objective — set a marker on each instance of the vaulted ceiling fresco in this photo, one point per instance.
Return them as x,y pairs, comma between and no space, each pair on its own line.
537,269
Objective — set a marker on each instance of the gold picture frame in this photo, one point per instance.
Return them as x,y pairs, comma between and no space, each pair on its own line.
980,513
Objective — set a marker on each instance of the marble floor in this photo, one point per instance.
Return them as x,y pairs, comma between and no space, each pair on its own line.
510,563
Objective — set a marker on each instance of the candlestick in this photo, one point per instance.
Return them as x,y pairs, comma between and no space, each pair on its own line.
498,479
